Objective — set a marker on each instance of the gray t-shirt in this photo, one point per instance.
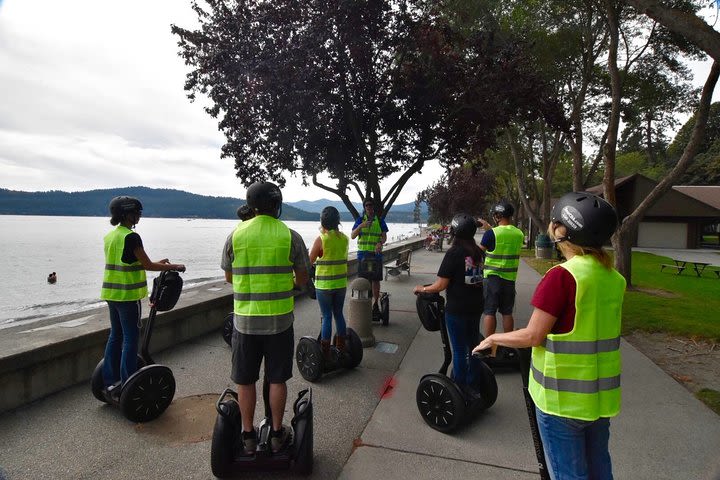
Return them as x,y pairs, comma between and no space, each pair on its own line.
272,324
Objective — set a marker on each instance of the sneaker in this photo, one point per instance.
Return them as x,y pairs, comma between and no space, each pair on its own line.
249,440
112,392
279,440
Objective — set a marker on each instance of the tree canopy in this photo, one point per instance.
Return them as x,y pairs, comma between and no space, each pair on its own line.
357,91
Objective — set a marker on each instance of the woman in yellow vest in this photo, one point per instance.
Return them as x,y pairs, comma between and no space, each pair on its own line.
329,253
575,334
124,285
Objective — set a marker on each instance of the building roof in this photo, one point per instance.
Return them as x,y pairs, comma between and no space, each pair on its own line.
709,194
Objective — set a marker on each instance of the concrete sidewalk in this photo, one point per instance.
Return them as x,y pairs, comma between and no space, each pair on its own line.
366,420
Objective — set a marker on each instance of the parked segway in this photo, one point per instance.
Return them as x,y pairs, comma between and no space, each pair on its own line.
227,456
442,404
150,390
312,364
383,313
228,327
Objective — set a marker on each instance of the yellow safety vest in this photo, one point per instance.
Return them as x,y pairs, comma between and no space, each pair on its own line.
331,271
504,260
262,273
122,282
369,236
577,374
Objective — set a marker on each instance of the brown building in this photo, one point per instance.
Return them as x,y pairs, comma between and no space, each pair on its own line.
685,217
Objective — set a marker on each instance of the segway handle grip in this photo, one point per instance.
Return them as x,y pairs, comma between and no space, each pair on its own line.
485,352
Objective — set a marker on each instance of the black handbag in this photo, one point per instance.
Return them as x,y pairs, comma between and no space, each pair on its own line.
166,290
431,309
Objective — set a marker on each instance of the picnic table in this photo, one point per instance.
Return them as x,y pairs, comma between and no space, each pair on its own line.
698,267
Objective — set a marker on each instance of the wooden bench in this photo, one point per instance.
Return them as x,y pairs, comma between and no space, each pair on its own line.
402,263
679,268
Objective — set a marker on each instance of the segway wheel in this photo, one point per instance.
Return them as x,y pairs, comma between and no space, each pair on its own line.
354,350
440,402
385,309
308,357
147,393
487,385
97,384
226,435
228,327
302,424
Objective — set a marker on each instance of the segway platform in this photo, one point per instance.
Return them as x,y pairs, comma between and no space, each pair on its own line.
227,456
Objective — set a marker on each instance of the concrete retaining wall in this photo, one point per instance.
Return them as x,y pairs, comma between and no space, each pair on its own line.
56,353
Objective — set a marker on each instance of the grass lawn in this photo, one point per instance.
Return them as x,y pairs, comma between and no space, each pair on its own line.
684,304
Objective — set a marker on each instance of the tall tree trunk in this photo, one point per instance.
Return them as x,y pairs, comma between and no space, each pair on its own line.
609,151
685,24
623,237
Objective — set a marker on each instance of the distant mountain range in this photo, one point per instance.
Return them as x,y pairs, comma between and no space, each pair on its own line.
169,203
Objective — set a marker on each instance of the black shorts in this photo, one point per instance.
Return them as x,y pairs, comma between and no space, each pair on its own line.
248,352
499,295
370,267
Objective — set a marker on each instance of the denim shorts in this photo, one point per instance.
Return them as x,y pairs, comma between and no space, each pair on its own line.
499,295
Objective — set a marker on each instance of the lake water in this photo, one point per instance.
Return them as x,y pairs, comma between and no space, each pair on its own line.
34,246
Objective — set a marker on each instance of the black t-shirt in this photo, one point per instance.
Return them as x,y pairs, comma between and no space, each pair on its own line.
132,241
462,297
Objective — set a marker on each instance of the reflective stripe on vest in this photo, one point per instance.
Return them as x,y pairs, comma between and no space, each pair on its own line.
122,282
331,271
504,260
261,269
577,374
369,236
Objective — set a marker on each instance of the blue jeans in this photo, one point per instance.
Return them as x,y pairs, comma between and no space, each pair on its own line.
464,335
331,305
122,345
575,449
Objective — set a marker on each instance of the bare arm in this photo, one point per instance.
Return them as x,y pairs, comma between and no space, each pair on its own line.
533,335
228,277
161,266
439,285
316,250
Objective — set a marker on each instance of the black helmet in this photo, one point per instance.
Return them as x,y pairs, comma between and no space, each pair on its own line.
463,226
265,198
245,213
330,218
119,206
589,219
503,210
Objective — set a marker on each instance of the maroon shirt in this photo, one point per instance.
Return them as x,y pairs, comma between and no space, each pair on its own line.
555,294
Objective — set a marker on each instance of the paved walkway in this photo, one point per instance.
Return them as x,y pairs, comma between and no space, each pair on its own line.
366,421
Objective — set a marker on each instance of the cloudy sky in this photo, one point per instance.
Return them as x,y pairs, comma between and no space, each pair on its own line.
92,97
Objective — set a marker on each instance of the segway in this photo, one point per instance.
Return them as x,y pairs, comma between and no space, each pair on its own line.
227,455
149,391
370,267
228,327
312,364
505,358
524,357
442,404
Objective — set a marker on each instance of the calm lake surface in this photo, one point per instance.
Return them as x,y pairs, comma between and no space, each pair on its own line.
35,246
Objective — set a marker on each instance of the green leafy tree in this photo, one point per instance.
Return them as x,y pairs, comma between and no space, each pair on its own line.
357,91
464,189
705,170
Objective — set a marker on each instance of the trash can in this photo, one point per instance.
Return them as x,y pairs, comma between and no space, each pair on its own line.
360,311
544,247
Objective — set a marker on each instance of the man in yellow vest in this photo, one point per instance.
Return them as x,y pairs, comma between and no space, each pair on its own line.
371,232
260,259
502,246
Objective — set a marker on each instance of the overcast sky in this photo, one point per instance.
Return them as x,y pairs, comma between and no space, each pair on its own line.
92,97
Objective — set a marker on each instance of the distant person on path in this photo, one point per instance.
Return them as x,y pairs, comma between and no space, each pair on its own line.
124,285
502,246
371,232
52,278
575,334
259,258
330,253
460,273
